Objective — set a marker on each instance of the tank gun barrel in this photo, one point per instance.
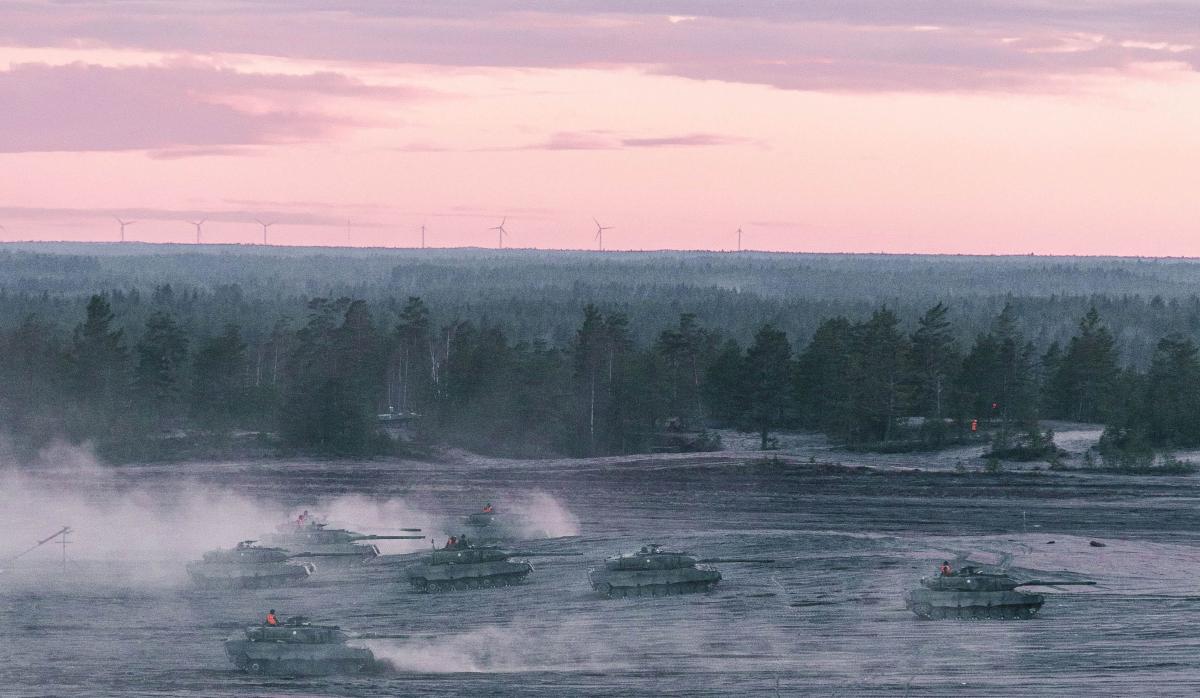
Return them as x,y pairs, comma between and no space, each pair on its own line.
374,537
1052,583
325,555
764,560
530,553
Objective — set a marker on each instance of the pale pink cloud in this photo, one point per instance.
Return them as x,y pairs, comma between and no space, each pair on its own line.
837,45
602,140
294,214
177,109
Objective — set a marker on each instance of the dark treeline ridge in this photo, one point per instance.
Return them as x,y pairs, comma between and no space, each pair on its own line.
137,350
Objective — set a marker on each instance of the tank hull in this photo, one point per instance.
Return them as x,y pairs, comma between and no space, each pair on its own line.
232,576
653,582
297,659
340,553
998,605
476,575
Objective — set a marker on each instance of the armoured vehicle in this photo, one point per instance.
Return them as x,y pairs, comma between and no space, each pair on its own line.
653,571
471,567
316,538
973,593
249,566
490,526
296,647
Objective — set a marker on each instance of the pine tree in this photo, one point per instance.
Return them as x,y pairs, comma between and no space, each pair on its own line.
1172,398
824,385
881,357
218,393
724,386
934,361
1081,388
769,379
411,367
161,356
100,369
685,350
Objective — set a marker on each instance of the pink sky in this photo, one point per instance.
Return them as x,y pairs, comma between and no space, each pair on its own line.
989,126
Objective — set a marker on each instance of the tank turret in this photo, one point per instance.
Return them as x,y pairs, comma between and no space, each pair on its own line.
493,526
250,566
653,571
467,566
296,647
971,592
313,537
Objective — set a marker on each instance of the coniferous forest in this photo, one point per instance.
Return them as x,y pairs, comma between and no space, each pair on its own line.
202,353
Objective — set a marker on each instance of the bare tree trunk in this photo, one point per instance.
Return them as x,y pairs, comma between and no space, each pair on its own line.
592,417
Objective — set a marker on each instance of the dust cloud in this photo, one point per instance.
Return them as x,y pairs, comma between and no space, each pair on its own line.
540,515
156,523
496,649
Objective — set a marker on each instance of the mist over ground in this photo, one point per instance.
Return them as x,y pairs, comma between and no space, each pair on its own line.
826,616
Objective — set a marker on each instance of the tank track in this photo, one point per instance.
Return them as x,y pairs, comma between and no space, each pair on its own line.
262,582
1009,612
619,592
302,668
424,586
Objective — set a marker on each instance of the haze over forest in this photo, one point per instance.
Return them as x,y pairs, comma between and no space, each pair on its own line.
123,342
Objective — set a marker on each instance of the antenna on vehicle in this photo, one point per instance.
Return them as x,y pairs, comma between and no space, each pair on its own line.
739,232
600,233
422,236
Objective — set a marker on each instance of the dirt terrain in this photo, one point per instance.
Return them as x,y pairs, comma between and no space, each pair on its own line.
826,618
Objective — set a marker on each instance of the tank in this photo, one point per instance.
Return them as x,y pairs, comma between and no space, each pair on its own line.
653,571
317,538
973,593
470,567
249,566
490,526
296,647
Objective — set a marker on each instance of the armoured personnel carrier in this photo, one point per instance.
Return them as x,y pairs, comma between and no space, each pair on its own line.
653,571
973,593
471,567
249,566
317,538
296,647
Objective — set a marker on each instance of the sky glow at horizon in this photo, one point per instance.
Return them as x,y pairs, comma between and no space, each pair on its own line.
1054,127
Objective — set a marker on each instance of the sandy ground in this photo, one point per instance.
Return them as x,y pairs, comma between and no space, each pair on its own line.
826,618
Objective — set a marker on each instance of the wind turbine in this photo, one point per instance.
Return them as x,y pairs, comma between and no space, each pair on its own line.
501,232
123,224
198,224
600,233
265,226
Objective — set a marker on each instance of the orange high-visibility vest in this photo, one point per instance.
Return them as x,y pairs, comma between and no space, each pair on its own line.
271,619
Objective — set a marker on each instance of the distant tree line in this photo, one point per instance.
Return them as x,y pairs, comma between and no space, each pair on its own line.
317,383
